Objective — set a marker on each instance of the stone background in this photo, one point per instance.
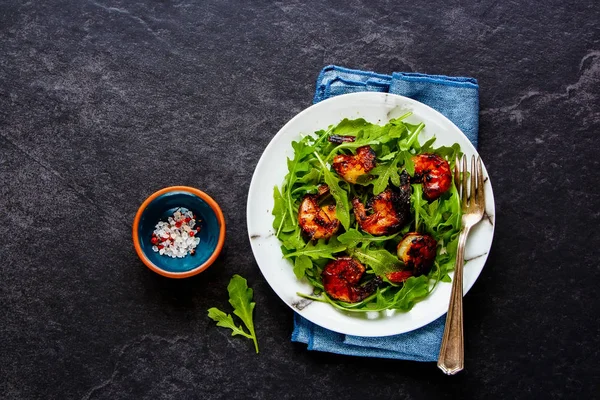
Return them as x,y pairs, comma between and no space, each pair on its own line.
102,103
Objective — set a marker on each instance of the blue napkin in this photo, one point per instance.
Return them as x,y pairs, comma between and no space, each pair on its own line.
458,99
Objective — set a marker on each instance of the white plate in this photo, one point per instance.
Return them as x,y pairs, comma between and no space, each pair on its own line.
271,170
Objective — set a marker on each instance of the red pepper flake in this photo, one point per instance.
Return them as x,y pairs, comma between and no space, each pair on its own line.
160,246
198,229
192,233
154,240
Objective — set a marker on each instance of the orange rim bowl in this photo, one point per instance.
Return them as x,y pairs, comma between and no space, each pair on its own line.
220,219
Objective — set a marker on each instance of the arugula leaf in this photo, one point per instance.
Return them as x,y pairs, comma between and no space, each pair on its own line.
385,173
240,297
405,144
301,265
417,201
293,240
381,302
352,145
311,177
352,238
226,321
320,249
342,204
414,289
447,152
394,132
380,260
409,165
301,149
350,127
426,148
279,210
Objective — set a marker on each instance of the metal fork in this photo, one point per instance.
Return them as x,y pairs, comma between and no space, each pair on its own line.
452,358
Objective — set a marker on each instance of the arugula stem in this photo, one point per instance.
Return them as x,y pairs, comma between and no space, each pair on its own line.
311,297
323,136
349,146
413,136
320,161
254,340
289,194
417,204
352,308
281,223
437,278
400,118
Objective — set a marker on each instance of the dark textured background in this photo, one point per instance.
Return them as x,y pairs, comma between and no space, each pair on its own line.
102,103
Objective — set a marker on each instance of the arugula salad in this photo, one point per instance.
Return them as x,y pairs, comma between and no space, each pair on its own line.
369,215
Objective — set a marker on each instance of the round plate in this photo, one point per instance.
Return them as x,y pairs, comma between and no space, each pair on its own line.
270,171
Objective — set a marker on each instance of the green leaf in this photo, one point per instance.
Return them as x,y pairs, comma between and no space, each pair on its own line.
293,240
320,249
240,297
381,301
278,210
385,173
301,265
409,165
352,238
417,201
226,321
447,152
426,148
311,177
380,260
414,289
406,144
389,156
350,127
301,150
342,204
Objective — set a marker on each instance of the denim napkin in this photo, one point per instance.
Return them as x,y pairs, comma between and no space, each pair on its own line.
458,99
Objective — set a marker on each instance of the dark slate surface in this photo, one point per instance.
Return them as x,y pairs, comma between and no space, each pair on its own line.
102,103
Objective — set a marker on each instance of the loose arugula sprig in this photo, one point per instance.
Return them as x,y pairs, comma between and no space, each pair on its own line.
240,297
394,143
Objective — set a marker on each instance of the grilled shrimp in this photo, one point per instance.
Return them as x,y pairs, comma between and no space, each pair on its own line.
390,209
341,280
434,172
317,222
417,251
351,167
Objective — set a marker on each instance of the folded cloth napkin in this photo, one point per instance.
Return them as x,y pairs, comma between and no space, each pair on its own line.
458,99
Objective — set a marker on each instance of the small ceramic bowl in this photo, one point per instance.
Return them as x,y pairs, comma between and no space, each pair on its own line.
161,205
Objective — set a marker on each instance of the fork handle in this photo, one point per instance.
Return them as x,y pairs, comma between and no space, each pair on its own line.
452,355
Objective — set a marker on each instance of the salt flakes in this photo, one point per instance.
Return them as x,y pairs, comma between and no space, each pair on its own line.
176,237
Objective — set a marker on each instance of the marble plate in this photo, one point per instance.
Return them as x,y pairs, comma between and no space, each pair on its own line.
271,170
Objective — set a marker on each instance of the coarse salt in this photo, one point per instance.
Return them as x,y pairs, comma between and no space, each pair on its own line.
176,237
